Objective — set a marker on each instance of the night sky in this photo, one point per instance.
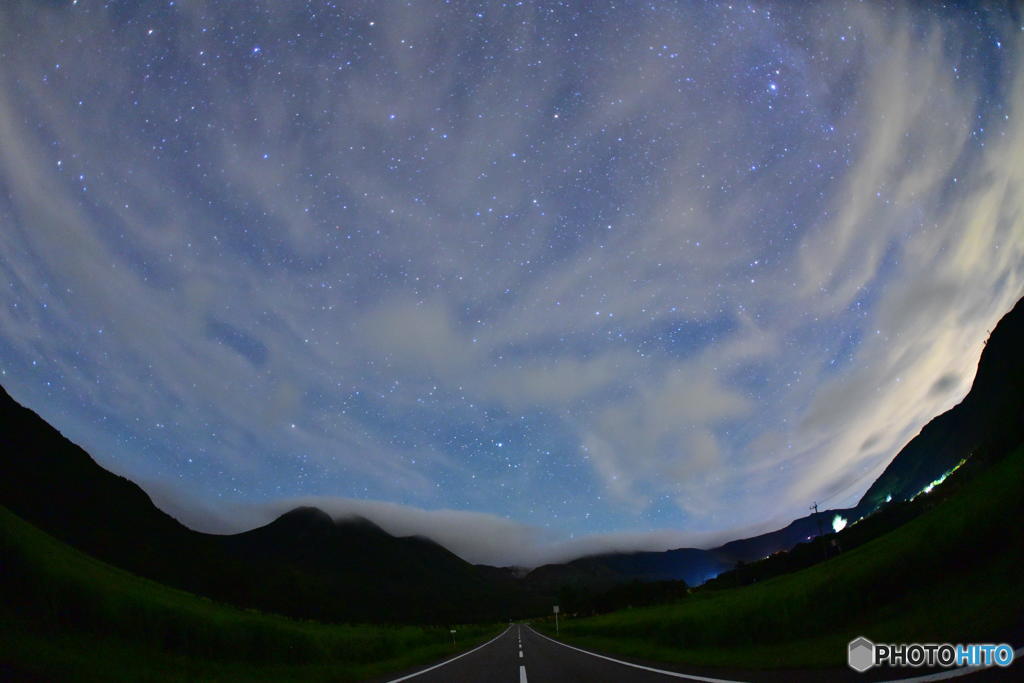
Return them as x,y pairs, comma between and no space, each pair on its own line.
529,278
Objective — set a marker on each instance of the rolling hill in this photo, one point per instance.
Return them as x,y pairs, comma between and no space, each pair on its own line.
306,564
303,564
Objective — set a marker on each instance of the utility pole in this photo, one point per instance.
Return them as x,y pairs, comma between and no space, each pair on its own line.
817,519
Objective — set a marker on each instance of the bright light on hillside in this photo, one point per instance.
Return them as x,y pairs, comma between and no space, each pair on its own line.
838,523
929,487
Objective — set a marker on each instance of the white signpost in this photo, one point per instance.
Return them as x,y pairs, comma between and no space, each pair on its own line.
453,636
556,620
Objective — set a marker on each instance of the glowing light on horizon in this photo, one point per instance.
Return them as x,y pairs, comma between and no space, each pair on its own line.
838,523
936,482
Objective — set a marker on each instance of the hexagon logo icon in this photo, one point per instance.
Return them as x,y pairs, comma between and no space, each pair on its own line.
860,654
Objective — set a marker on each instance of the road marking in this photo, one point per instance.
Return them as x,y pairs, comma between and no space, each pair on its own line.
449,661
941,676
522,674
954,673
674,674
520,654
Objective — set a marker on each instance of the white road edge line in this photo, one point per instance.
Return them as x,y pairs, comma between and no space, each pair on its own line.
449,661
674,674
940,676
522,674
954,673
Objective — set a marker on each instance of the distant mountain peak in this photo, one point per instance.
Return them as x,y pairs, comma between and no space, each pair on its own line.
306,515
308,518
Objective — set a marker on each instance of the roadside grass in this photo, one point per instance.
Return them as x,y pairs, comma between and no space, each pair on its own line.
65,615
951,575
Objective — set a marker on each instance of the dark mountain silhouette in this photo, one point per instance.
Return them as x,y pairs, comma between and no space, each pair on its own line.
986,424
797,531
302,564
692,565
309,565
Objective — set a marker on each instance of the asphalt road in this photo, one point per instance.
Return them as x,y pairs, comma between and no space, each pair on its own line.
521,655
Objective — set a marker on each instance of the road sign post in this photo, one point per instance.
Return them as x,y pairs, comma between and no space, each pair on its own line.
453,636
556,620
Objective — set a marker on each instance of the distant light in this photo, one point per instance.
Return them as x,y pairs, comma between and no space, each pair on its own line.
888,498
928,489
838,523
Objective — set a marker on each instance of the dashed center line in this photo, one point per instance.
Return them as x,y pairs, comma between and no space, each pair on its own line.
522,674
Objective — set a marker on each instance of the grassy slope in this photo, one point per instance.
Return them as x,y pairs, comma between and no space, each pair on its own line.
66,615
951,575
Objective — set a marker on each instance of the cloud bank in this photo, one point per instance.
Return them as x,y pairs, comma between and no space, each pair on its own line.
476,537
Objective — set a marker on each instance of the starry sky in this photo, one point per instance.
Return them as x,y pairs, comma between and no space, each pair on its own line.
529,278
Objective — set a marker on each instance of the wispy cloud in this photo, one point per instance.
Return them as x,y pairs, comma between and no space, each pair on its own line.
690,270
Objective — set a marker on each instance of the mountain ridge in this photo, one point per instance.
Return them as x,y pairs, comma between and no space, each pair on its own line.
989,420
305,554
304,563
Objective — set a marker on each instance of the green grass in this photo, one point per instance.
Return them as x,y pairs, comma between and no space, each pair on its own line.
951,575
68,616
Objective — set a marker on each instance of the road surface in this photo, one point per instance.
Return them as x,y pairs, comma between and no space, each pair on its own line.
522,655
